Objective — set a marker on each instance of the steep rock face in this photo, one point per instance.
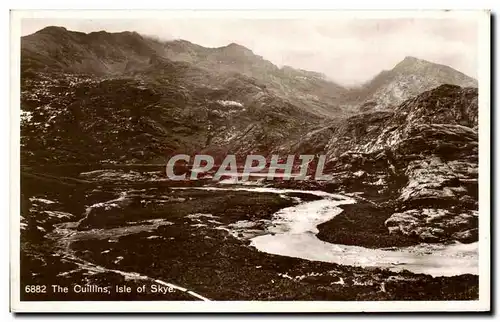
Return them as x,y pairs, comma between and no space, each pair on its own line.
347,133
445,111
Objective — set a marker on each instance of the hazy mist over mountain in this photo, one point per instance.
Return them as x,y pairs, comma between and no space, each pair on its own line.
347,51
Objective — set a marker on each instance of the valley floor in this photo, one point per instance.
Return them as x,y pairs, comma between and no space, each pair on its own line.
198,244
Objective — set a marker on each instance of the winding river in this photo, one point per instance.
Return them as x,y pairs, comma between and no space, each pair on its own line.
292,232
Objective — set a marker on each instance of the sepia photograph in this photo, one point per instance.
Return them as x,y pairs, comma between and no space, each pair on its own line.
172,161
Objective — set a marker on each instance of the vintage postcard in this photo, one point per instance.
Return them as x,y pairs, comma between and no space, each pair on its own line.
250,161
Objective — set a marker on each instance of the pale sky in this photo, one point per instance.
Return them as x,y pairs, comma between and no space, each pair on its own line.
349,51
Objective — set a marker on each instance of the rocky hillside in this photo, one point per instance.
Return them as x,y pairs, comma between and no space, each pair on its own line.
69,118
420,159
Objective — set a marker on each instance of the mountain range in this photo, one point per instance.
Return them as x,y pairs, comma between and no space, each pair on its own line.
408,136
113,54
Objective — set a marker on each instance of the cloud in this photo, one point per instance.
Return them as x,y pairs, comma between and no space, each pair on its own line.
349,51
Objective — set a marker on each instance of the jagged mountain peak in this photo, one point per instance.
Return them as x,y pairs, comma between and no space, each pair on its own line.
414,64
408,78
411,62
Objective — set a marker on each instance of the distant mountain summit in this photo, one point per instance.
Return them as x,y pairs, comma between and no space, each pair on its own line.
408,78
98,53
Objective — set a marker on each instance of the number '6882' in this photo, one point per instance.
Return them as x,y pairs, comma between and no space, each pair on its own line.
35,289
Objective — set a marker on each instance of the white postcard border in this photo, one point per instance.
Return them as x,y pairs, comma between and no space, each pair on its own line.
483,304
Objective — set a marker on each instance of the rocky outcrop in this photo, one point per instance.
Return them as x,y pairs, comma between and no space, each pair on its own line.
438,181
431,224
419,162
